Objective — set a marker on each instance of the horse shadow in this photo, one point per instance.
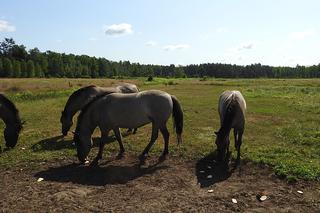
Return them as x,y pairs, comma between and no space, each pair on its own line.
97,175
59,143
210,171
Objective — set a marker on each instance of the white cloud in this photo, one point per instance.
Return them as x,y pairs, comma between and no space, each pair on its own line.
6,27
151,43
246,46
118,29
93,39
222,30
172,47
301,35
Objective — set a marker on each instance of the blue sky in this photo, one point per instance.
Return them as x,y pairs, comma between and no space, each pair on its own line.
273,32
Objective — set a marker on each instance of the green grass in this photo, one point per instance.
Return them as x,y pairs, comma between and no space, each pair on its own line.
282,125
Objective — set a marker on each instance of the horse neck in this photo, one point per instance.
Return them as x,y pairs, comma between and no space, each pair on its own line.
76,103
7,115
86,124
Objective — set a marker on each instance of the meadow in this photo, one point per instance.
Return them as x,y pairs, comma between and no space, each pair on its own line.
282,121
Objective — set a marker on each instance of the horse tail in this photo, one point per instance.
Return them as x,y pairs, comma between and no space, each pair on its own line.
177,115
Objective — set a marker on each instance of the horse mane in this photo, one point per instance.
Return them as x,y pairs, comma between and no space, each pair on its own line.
87,106
77,93
9,105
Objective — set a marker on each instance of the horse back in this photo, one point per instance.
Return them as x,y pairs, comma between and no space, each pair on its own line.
137,109
232,100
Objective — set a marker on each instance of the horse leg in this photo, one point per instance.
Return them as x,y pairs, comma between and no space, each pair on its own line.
165,133
119,139
130,130
236,135
104,136
238,144
154,136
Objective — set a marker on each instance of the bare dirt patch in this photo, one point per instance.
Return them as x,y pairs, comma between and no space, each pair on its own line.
173,185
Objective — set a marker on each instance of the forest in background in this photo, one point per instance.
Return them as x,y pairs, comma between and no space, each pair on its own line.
16,61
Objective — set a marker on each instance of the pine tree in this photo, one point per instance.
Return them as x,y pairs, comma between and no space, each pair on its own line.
7,67
1,67
24,72
38,71
16,69
30,69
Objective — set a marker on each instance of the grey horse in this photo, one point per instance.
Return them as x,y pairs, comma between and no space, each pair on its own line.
232,107
114,111
83,96
10,116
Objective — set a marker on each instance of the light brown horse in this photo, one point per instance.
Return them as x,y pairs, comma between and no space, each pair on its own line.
83,96
232,107
116,110
10,116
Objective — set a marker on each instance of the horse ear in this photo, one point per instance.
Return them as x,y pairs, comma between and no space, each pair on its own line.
216,132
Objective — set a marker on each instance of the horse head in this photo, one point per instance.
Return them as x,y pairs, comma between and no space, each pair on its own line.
83,145
11,134
66,123
222,142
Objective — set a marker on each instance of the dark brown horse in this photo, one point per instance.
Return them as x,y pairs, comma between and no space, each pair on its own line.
232,107
10,116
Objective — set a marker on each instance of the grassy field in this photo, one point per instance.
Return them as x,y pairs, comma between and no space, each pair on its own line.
282,126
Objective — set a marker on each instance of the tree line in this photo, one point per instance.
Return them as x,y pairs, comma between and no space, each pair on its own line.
16,61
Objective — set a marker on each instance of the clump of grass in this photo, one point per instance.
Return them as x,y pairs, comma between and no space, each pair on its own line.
33,96
204,78
14,89
171,82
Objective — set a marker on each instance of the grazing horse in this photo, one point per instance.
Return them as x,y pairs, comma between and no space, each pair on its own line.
10,116
114,111
83,96
232,107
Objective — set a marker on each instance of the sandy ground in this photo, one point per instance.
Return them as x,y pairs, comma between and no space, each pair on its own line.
121,185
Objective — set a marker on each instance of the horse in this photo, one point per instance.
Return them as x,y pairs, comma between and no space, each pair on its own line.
10,116
231,107
116,110
83,96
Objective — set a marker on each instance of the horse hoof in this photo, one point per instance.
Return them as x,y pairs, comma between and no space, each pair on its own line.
162,158
120,155
94,163
142,159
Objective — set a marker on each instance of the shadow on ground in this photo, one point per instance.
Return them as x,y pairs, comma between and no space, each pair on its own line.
210,171
98,175
58,143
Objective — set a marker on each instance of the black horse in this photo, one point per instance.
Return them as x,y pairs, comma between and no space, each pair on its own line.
10,116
